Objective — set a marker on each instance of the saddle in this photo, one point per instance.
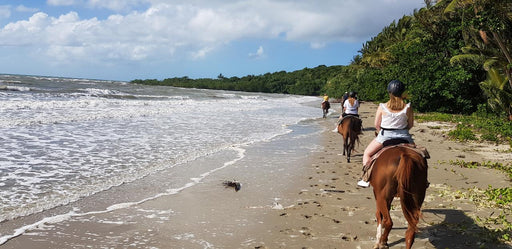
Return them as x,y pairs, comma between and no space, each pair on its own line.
347,116
392,144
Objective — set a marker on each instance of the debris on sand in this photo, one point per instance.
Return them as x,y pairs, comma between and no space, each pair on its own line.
233,184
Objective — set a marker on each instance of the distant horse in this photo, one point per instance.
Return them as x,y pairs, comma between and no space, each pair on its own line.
401,172
325,108
350,128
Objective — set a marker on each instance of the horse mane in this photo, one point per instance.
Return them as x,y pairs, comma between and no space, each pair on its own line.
408,177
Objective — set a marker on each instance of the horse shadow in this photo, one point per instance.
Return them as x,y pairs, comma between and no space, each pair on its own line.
454,229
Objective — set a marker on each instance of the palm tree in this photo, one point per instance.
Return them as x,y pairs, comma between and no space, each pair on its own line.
498,92
376,52
493,21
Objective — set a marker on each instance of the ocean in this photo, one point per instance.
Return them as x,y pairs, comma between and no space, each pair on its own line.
75,148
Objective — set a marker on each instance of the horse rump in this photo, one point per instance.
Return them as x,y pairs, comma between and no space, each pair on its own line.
326,105
399,171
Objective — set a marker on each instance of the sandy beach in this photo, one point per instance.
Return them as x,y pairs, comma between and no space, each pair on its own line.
331,211
301,198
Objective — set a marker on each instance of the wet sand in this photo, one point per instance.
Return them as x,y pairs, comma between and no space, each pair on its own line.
300,196
161,211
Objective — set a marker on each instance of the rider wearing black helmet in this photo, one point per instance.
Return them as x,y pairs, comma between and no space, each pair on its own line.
393,120
396,88
351,106
344,98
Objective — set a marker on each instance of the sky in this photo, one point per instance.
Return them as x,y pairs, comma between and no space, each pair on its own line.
158,39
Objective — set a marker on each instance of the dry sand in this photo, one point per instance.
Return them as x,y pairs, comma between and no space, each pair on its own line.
331,211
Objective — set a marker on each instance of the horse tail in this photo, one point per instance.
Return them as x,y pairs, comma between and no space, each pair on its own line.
356,128
411,176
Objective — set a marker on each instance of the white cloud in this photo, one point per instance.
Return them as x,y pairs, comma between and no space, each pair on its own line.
201,53
194,29
61,2
260,53
23,8
116,5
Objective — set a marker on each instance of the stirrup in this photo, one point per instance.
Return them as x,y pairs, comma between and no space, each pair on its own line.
363,184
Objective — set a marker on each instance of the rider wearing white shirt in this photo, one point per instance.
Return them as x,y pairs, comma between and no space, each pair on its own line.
351,105
351,108
394,124
393,120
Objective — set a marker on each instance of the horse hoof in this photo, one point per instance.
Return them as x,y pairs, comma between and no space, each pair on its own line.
380,246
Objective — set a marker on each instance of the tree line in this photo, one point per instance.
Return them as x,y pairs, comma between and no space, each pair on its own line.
453,55
308,81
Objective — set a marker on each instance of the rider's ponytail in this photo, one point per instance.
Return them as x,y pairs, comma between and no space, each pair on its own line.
395,103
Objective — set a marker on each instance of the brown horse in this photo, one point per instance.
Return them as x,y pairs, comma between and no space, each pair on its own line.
325,108
401,172
350,128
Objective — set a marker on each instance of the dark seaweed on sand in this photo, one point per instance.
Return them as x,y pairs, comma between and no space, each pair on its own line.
232,184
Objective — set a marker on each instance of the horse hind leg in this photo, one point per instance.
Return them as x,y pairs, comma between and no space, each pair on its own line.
409,236
349,151
344,144
384,224
346,147
350,147
412,226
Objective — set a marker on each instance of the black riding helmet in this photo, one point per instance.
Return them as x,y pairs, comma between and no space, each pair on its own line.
352,94
396,88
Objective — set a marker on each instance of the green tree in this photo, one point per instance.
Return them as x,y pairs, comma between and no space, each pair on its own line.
498,90
489,23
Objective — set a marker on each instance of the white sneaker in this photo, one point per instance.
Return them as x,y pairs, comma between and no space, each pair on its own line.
363,184
335,129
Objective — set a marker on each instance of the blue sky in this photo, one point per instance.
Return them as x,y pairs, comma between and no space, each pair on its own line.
158,39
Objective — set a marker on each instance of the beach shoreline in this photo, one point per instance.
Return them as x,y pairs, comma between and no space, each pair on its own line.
304,196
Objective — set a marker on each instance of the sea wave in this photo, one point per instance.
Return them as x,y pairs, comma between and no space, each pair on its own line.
14,88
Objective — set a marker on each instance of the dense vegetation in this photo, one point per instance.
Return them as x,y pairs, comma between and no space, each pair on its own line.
453,55
301,82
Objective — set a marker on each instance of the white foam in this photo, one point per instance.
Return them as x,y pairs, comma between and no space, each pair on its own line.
71,214
14,88
60,146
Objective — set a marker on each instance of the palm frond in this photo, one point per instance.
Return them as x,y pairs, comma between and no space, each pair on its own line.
462,58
